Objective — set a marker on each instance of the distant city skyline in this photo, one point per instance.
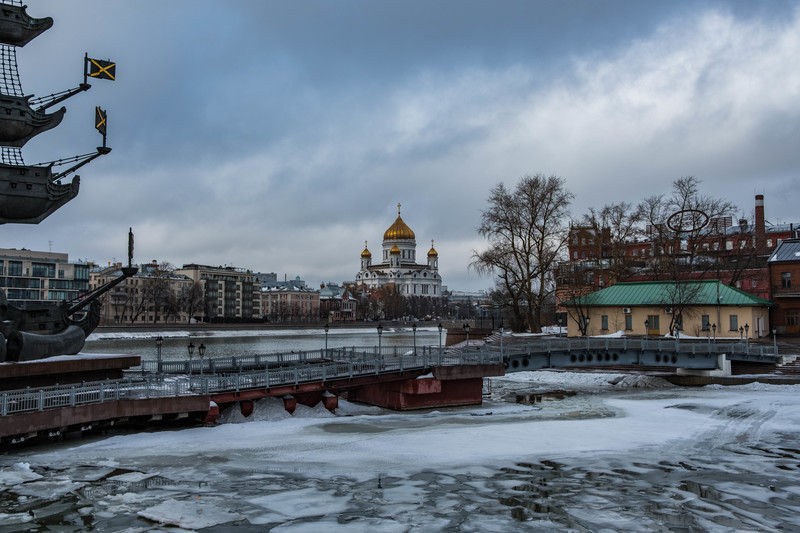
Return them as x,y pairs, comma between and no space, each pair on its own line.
280,136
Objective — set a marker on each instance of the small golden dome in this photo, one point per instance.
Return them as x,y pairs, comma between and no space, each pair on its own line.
366,252
432,252
395,250
399,230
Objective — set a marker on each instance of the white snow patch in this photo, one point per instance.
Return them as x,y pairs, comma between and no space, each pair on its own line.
17,473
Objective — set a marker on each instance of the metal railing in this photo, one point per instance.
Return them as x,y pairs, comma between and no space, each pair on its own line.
153,385
733,349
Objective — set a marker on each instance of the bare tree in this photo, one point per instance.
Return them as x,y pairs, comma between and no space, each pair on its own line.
192,299
615,226
676,226
526,231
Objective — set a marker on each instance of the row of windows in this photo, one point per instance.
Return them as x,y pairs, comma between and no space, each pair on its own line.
654,322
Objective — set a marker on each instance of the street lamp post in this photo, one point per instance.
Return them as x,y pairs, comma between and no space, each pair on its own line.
190,348
714,332
747,335
201,351
414,329
775,341
441,327
159,342
586,329
380,332
327,327
741,333
466,330
646,328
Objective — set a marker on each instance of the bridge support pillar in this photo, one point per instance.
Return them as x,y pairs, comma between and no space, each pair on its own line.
246,407
213,413
723,369
447,387
289,403
330,401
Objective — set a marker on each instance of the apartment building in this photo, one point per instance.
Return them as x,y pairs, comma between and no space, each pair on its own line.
154,295
289,304
29,277
231,294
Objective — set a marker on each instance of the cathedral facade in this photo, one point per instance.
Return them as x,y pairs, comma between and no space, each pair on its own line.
398,264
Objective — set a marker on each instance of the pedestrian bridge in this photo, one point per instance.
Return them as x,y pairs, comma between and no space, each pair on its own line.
559,352
396,377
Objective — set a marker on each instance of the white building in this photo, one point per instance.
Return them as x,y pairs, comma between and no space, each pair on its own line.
398,265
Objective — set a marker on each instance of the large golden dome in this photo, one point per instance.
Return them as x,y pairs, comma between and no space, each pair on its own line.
399,230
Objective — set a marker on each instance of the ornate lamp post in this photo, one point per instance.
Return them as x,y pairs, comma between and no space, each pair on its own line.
466,330
327,327
741,333
201,350
714,332
775,341
646,328
747,335
441,327
159,342
380,332
190,348
414,329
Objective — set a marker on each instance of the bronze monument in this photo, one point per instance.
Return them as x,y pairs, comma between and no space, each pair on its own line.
30,193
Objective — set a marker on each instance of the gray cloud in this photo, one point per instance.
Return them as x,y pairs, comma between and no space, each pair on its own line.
279,136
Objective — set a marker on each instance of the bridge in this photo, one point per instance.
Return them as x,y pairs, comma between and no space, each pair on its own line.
400,378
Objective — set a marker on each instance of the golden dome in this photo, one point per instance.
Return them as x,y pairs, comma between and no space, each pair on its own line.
399,230
432,252
395,250
366,252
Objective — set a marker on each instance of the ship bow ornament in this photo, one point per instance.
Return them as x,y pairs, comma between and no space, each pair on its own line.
31,193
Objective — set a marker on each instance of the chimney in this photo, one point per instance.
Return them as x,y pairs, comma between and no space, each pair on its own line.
761,231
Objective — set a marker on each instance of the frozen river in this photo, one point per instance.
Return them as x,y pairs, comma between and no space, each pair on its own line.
622,454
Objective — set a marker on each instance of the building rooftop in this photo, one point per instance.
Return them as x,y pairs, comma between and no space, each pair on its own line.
650,293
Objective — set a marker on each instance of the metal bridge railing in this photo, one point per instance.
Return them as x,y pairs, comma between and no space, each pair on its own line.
733,349
348,364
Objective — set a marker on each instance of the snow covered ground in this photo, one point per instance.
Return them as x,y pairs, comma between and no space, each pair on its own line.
625,453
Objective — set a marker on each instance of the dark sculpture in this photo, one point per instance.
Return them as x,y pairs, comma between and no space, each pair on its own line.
17,28
30,193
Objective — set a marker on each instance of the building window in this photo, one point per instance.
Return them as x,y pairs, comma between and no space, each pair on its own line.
15,268
705,321
729,245
652,324
786,280
734,323
793,318
769,243
628,322
604,322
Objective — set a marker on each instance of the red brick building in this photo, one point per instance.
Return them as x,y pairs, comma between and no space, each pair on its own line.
784,280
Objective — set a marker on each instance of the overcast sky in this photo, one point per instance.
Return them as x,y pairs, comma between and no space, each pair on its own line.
279,136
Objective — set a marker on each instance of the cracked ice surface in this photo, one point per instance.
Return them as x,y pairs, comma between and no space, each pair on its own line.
624,453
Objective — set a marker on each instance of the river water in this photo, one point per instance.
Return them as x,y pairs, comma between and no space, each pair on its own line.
623,453
227,343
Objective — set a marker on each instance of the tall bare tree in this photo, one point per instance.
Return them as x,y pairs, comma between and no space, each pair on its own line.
676,225
615,226
526,230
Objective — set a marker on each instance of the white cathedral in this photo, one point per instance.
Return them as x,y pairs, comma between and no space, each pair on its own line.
399,264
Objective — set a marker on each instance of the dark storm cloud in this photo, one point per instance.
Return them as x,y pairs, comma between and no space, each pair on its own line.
281,135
